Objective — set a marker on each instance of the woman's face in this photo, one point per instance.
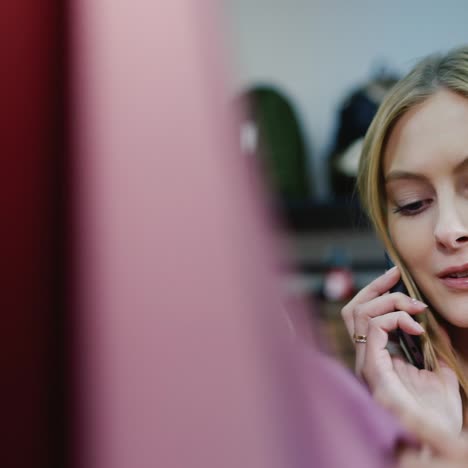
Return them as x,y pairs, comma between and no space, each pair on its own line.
426,174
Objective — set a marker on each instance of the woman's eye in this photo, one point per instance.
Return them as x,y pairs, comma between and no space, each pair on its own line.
411,209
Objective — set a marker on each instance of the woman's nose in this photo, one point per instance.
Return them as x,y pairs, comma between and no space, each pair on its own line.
451,231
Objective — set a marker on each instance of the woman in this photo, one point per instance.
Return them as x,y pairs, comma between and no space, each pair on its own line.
413,181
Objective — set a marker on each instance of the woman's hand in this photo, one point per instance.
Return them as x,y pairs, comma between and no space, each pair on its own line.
439,448
370,307
414,459
433,396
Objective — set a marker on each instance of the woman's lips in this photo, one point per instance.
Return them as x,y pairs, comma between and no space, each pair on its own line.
455,283
449,278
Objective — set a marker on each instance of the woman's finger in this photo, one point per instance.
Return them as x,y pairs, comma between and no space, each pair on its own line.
374,289
375,308
376,354
383,305
380,327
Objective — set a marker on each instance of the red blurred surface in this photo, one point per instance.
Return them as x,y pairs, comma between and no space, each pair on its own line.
31,45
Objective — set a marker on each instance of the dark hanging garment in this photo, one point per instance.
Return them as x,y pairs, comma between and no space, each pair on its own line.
355,117
279,143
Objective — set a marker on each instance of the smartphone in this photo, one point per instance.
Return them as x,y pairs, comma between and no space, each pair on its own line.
410,344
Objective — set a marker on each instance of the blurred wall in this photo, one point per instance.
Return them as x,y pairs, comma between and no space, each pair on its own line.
317,50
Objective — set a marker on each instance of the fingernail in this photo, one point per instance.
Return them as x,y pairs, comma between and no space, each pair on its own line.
418,303
419,327
391,269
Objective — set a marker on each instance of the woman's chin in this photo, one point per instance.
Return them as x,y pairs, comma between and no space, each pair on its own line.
455,310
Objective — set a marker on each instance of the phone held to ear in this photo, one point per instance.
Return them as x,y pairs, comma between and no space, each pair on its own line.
410,344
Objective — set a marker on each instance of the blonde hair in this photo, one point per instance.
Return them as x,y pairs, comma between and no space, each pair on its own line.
436,72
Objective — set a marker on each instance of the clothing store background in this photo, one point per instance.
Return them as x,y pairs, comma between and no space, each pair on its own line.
317,52
331,60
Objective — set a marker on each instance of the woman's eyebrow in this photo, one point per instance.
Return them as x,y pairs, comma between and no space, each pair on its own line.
461,166
402,175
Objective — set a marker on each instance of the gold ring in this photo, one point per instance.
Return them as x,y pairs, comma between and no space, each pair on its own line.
360,338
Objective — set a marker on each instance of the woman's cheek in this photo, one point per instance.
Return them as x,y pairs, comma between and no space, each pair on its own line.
413,242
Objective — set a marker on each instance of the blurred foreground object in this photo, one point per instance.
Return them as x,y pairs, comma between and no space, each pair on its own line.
32,80
185,354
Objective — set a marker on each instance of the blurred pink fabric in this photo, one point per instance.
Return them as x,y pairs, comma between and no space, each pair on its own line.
186,356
